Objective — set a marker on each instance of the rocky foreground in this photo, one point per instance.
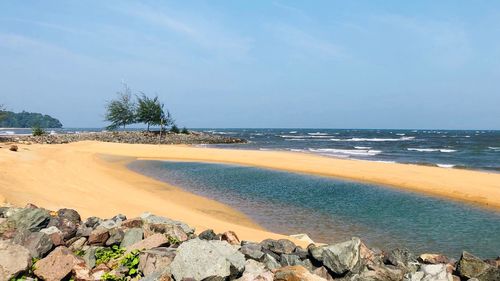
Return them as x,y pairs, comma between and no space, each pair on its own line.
36,243
134,137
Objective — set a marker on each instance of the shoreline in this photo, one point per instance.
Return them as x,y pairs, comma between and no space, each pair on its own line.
478,188
73,175
96,184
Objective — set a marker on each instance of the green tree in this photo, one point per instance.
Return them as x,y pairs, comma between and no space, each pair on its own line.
3,114
151,112
121,111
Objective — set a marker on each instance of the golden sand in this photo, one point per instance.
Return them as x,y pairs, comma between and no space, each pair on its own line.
91,177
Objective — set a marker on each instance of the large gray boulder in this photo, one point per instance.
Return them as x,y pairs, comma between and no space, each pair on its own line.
200,259
281,246
470,266
37,243
252,251
29,219
132,236
343,257
14,259
152,219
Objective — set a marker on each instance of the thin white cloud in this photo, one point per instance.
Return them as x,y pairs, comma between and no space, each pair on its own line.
202,33
43,24
306,42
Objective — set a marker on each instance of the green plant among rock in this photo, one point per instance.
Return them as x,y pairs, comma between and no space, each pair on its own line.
38,131
131,261
185,131
79,253
110,277
104,255
173,240
175,129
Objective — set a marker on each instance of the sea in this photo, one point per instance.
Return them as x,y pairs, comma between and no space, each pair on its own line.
464,149
460,149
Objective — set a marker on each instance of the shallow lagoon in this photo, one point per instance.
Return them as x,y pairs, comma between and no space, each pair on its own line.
332,210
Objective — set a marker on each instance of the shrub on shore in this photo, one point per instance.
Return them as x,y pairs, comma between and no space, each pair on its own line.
125,111
37,131
121,111
175,129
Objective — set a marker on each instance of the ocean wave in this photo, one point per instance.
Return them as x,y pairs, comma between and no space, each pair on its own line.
445,165
304,136
494,148
295,139
445,150
292,132
375,139
356,152
401,134
318,134
362,147
10,133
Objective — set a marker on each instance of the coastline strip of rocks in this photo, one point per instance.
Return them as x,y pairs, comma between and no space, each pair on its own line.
133,137
59,245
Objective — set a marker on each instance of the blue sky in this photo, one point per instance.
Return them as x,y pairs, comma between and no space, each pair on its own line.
330,64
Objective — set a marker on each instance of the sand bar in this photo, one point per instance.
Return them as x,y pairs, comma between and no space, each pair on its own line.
92,178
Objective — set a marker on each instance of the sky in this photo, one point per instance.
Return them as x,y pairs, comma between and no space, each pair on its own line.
258,64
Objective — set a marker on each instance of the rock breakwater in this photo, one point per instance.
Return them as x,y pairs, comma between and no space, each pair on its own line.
133,137
59,245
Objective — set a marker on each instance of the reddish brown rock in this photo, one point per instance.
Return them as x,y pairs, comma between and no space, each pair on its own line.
156,240
57,265
81,272
323,273
99,271
132,223
231,238
13,148
433,258
98,236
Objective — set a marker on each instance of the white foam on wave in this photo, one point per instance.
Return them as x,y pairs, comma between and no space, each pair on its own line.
401,134
375,139
318,134
445,165
362,147
8,133
445,150
305,136
292,132
357,152
295,139
494,148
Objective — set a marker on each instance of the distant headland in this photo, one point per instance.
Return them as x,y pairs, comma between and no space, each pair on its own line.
26,119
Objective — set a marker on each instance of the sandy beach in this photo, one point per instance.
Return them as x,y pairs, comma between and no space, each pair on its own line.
92,178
